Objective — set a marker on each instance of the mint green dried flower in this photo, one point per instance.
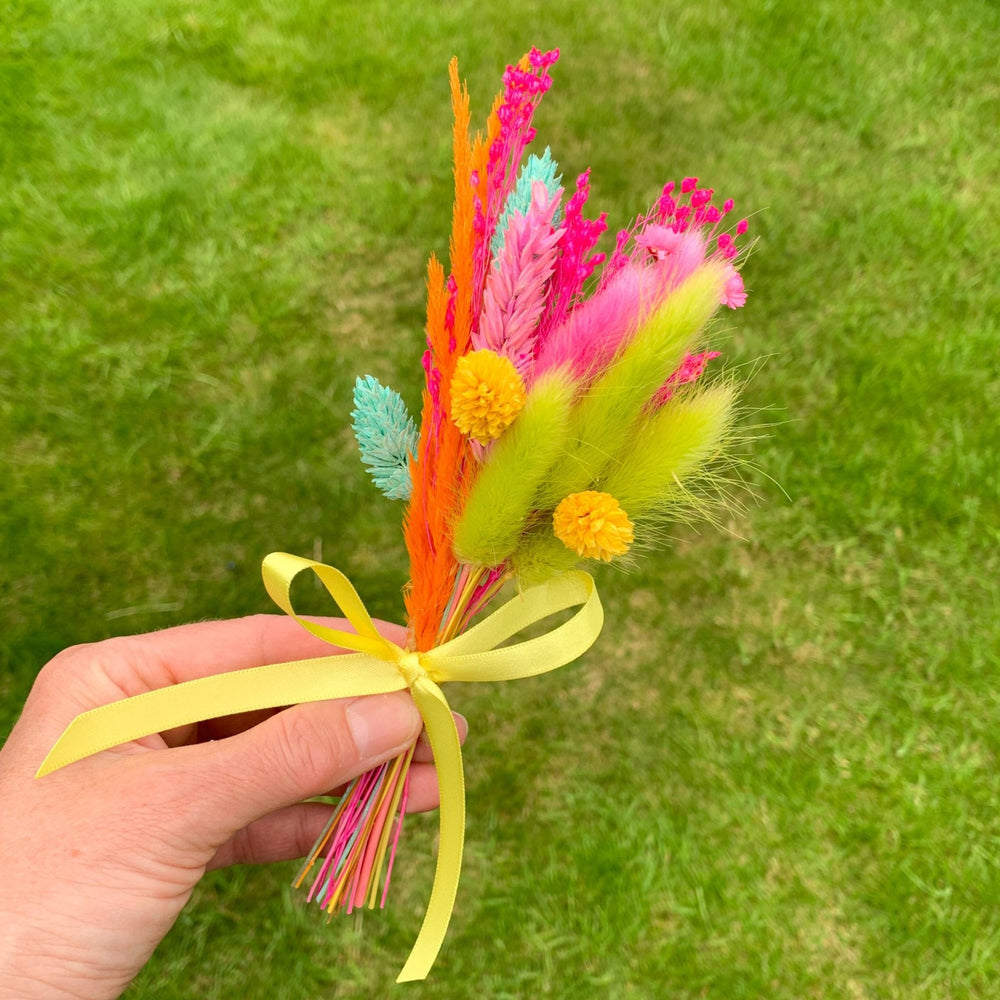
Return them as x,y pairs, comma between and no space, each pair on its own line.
537,168
386,435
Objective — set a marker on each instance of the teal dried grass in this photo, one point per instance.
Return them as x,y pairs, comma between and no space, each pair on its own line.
386,435
536,169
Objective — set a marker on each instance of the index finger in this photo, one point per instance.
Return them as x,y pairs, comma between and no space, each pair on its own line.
188,652
88,676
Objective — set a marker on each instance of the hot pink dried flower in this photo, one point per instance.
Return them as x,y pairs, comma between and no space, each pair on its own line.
524,86
691,370
575,263
734,294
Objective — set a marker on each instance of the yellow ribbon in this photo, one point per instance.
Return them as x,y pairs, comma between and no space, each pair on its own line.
376,666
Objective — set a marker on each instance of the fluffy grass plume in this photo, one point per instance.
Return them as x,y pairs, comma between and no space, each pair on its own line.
497,509
436,471
677,443
606,414
596,328
425,523
540,555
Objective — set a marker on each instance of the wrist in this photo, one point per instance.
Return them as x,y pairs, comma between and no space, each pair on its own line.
36,965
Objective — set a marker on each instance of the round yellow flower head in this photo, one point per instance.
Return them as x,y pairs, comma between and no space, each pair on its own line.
486,395
593,525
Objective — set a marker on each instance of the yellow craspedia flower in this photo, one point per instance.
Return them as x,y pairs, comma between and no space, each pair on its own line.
593,525
486,395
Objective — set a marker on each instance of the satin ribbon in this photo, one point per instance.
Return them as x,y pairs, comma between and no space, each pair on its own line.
376,666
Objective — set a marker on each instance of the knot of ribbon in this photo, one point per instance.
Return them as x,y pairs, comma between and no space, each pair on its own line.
412,667
375,666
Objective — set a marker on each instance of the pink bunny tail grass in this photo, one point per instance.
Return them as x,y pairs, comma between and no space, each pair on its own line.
595,330
654,256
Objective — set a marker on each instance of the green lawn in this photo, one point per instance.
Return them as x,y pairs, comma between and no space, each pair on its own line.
776,775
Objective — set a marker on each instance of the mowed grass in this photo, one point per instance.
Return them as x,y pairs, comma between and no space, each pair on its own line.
776,775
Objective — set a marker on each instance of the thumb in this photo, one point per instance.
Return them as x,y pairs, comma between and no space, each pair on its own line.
300,752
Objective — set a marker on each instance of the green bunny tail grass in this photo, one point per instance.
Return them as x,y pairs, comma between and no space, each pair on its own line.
604,417
540,555
501,500
653,478
676,445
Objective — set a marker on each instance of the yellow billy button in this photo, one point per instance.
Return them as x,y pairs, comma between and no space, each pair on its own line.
486,395
593,525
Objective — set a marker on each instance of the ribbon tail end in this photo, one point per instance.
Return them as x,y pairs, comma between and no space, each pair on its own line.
412,975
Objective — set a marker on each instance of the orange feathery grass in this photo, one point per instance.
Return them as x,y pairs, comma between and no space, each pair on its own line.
427,526
437,472
463,236
439,476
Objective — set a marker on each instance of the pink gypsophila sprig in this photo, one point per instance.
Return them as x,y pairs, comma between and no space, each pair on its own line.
576,263
676,226
523,89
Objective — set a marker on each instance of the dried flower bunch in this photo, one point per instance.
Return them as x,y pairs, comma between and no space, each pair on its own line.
564,414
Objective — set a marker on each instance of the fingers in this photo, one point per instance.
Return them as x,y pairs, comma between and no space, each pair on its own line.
423,793
423,751
282,836
290,833
217,729
191,651
138,663
95,674
294,755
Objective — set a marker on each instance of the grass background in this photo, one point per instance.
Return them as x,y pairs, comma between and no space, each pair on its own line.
776,776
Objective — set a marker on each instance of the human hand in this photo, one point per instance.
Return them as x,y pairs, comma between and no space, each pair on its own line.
100,857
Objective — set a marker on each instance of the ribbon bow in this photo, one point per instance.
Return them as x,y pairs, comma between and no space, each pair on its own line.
376,666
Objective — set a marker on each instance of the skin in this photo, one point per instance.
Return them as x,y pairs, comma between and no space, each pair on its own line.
100,857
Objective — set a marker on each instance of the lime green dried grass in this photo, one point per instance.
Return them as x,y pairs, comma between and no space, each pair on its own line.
656,478
501,501
606,415
676,444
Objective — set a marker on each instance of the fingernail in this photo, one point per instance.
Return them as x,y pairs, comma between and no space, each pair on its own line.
383,724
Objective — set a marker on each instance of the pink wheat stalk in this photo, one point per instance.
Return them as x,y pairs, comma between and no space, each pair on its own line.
518,282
